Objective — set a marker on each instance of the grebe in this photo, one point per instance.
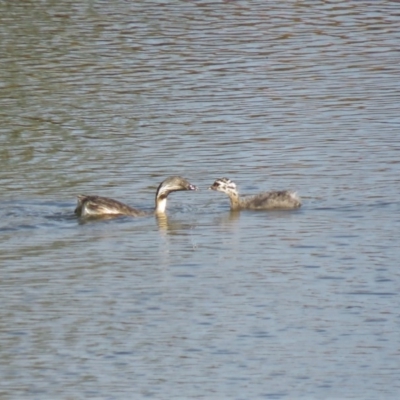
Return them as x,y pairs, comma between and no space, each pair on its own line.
96,206
284,199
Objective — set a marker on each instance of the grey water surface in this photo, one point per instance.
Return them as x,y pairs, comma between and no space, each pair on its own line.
110,98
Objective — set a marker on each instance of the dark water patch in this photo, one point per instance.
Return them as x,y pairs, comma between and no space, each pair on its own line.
224,352
277,395
123,353
261,335
383,280
192,350
328,277
302,246
375,320
366,293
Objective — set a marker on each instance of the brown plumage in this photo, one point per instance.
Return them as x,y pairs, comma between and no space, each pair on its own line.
95,206
283,199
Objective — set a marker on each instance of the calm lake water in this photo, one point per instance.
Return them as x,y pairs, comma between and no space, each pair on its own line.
110,98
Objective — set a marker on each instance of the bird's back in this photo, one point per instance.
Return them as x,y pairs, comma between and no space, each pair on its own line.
283,199
98,206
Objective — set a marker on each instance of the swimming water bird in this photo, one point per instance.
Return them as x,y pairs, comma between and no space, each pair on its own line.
96,206
284,199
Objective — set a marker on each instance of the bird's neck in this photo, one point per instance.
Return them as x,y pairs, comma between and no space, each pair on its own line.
235,200
161,204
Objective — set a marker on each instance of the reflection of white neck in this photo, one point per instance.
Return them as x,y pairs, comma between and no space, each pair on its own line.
161,205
